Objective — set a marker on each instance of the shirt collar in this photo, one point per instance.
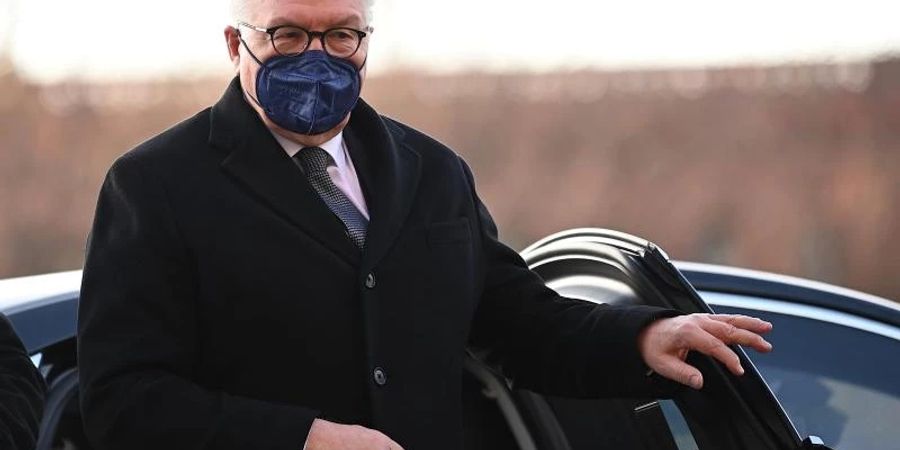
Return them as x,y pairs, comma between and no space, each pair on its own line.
334,147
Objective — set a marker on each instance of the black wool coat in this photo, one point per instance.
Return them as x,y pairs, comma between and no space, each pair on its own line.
224,307
21,392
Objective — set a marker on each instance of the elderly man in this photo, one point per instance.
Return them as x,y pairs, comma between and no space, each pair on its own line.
21,393
289,268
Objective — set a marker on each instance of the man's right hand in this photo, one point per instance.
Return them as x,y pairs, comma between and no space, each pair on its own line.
325,435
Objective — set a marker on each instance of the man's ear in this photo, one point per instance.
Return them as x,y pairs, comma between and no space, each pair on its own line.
233,41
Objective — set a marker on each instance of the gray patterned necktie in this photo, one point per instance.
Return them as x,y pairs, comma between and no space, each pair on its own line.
314,162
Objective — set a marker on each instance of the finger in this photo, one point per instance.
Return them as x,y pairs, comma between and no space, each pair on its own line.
705,343
674,368
731,334
753,324
389,443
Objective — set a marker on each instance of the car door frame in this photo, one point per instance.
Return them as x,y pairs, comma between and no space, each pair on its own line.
749,398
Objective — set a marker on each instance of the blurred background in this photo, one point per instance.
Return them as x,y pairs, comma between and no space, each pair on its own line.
761,134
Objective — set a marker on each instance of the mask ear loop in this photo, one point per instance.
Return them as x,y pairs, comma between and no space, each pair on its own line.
241,38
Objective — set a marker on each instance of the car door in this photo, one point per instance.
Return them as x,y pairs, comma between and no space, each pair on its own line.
845,387
730,412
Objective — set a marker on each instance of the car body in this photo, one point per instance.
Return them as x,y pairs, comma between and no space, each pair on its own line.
837,368
834,372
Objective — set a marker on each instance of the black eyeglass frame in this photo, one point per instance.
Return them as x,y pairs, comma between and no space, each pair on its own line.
312,35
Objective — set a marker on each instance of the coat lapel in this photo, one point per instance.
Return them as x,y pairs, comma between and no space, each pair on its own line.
258,162
389,172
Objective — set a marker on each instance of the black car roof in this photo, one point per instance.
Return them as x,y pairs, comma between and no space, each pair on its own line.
732,280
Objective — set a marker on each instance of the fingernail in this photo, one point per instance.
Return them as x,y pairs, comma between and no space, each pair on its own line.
740,370
695,382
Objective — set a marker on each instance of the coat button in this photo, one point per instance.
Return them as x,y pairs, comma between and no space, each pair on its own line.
379,376
370,281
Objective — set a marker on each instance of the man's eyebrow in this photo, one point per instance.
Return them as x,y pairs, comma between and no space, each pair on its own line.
351,20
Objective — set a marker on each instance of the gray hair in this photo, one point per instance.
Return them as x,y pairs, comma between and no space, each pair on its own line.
240,10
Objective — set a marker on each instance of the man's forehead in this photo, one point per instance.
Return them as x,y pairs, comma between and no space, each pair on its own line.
307,12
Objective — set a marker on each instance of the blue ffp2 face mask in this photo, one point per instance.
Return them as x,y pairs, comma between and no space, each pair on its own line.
307,94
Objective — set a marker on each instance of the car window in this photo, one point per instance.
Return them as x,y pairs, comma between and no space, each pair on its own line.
835,374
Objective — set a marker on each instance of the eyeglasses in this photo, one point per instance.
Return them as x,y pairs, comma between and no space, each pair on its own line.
289,40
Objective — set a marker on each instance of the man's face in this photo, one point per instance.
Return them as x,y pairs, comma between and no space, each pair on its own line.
313,15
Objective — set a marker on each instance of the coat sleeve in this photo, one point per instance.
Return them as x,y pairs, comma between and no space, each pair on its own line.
552,344
21,392
138,336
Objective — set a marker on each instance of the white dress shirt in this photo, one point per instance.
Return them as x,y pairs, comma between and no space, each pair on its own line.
342,174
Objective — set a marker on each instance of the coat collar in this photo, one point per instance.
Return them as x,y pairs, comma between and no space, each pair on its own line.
388,170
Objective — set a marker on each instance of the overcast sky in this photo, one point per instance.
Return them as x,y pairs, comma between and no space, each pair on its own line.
56,39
